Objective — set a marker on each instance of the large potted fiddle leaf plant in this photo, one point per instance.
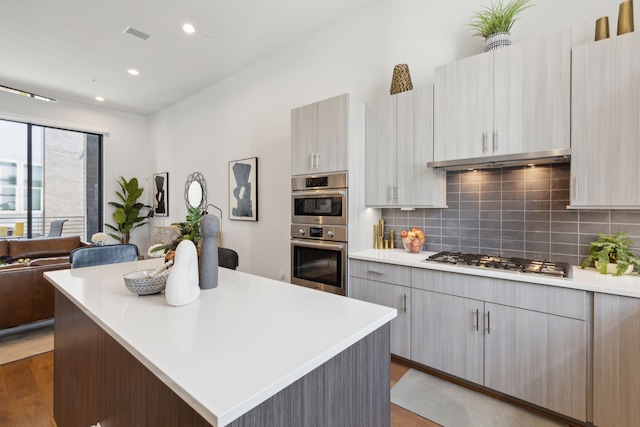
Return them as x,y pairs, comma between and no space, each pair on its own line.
127,215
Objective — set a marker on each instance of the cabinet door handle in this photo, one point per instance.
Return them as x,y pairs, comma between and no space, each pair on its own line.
374,272
313,161
488,322
404,303
484,142
495,141
317,160
477,319
397,194
576,192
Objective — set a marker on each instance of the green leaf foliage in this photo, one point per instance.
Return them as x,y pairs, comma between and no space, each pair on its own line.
127,214
497,18
611,249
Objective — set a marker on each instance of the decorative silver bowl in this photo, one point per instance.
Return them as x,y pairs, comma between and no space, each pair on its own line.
139,283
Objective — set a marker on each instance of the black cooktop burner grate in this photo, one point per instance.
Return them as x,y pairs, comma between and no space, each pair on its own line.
521,265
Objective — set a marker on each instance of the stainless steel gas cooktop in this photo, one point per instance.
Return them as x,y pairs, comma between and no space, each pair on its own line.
513,264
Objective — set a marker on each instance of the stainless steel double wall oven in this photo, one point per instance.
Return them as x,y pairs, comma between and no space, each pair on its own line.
319,221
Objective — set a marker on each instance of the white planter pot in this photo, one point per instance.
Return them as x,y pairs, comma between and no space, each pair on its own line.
496,41
611,268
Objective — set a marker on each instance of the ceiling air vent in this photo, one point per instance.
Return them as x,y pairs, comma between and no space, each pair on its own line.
136,34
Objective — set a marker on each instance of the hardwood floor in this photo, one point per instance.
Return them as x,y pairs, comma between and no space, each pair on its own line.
26,394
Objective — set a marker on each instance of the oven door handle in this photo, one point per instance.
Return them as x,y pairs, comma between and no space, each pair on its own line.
323,193
320,245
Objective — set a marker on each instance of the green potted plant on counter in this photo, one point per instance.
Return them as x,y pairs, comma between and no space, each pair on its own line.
493,23
612,255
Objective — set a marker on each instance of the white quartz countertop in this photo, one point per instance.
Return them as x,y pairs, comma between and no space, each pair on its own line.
588,279
234,347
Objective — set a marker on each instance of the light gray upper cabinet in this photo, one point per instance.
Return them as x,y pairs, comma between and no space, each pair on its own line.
388,285
511,101
399,143
319,136
605,123
616,381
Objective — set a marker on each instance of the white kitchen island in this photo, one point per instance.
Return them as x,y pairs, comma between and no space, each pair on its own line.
251,352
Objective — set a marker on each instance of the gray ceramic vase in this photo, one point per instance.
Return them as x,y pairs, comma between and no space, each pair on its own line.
209,230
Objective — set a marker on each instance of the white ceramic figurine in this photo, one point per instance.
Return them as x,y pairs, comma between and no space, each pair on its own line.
183,284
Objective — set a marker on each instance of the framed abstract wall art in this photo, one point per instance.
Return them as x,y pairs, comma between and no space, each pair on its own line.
243,189
161,194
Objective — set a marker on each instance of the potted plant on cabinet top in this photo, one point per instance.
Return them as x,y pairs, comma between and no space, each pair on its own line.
494,23
127,214
612,255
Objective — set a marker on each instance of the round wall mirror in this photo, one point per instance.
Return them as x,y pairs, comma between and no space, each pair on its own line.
195,191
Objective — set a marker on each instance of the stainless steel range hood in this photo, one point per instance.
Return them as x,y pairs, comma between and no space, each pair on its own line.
507,160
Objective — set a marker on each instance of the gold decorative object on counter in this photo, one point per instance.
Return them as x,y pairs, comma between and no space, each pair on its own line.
625,17
391,243
602,28
375,236
401,80
379,241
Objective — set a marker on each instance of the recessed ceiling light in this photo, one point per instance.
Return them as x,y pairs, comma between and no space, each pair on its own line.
99,98
133,72
188,28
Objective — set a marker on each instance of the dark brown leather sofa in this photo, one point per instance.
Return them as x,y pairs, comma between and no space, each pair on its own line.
25,295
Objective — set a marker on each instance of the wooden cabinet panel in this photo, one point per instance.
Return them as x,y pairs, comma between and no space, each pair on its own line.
505,102
380,151
447,334
547,299
537,357
463,108
304,138
605,127
399,143
319,136
518,345
398,297
380,272
532,95
333,127
616,357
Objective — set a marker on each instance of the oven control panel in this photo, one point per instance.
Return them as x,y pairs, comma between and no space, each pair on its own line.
334,233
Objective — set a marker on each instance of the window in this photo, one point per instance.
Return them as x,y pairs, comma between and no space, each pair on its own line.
8,181
47,174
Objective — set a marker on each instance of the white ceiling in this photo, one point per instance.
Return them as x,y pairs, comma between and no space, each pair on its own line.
76,49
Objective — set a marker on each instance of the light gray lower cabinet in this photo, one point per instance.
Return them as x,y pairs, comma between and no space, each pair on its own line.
525,340
537,357
616,360
447,334
382,284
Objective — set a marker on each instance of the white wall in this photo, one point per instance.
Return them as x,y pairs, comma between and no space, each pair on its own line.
126,146
248,114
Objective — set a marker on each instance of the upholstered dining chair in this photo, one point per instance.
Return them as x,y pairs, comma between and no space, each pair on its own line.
55,229
98,255
227,258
